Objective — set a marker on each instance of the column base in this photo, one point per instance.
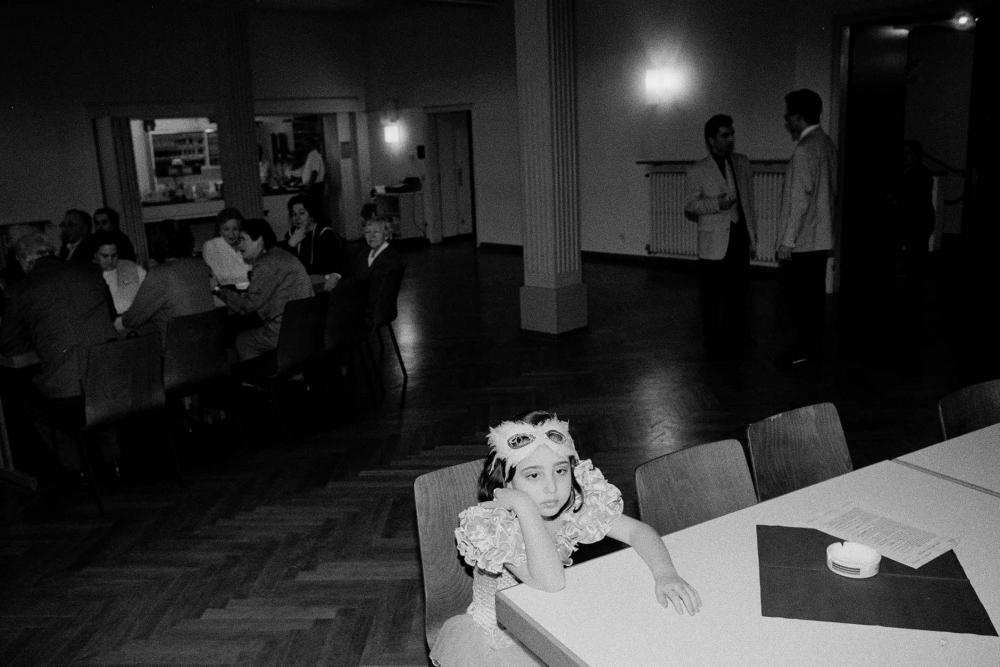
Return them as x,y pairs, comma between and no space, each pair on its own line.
554,311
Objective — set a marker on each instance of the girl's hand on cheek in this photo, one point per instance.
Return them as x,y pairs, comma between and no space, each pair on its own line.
672,590
517,501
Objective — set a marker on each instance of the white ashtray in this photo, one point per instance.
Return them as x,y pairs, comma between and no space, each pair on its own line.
850,559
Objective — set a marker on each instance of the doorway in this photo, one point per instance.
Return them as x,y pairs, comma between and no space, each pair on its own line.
907,77
453,169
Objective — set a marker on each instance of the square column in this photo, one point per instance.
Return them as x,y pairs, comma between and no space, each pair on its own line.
553,297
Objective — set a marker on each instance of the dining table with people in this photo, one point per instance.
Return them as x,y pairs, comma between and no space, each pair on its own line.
58,309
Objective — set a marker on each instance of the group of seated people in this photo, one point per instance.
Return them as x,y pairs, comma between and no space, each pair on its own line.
91,289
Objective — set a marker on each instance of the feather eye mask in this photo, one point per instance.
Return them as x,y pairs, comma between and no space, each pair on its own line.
515,441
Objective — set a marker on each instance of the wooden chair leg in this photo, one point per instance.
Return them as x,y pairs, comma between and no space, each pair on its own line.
88,471
375,368
357,356
399,356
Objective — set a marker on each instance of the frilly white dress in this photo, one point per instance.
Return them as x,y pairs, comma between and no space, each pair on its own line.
488,538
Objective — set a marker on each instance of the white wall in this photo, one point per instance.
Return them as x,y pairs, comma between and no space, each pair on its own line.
296,55
438,56
65,65
721,59
424,58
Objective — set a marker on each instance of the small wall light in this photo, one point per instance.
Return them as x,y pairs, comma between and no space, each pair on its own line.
390,133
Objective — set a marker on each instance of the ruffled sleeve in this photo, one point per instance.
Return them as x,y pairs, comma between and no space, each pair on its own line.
602,504
488,537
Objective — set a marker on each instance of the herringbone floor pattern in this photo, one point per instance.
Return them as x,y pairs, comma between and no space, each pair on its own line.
307,554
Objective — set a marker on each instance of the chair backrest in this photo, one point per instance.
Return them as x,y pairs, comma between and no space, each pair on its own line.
970,408
439,497
195,350
300,338
694,484
384,297
122,378
797,448
345,318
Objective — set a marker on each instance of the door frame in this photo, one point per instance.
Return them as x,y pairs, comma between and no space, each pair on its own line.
432,202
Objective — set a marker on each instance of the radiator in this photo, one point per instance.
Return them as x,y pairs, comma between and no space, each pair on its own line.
671,234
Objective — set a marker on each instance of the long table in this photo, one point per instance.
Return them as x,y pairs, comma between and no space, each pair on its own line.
972,459
607,614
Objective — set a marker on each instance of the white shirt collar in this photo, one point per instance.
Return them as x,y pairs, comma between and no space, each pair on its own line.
377,252
807,131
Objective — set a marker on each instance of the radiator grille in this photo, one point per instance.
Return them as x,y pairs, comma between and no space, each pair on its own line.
671,234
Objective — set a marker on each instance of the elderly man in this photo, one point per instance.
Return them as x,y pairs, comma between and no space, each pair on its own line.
58,310
75,231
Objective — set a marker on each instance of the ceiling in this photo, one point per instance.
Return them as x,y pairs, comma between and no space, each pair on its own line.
362,7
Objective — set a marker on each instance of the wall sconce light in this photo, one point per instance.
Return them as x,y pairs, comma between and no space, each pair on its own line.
390,133
665,84
964,20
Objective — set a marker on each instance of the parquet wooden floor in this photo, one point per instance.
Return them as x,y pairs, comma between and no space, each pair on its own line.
307,554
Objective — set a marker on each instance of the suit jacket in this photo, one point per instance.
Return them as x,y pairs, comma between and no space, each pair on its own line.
703,185
368,279
84,253
809,194
322,251
179,286
58,310
275,279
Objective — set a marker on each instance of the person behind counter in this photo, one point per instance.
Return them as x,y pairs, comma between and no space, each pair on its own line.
222,252
318,247
277,278
123,276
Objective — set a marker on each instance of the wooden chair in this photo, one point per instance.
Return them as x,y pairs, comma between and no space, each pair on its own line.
300,341
300,344
346,331
439,497
122,379
969,409
384,311
693,485
797,448
194,352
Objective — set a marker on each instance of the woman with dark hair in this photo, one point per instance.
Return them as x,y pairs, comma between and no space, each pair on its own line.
277,278
318,246
123,276
222,252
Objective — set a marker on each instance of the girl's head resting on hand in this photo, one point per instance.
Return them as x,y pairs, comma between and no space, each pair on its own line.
533,453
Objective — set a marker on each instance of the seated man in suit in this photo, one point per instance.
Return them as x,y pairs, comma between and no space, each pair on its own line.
180,285
75,230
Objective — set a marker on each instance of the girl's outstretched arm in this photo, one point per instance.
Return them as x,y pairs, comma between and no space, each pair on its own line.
670,587
544,569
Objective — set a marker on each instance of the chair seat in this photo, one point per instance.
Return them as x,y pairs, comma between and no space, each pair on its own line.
262,368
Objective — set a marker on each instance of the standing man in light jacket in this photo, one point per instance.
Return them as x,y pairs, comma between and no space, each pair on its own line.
805,228
719,197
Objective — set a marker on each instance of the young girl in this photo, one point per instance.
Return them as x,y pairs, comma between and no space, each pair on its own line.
541,501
